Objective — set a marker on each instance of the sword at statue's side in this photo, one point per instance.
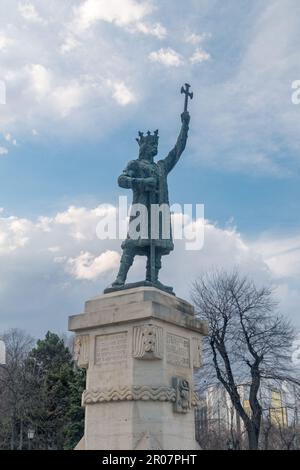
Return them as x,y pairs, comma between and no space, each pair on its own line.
152,241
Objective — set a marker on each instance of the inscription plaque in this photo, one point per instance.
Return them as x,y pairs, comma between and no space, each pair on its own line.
111,348
178,350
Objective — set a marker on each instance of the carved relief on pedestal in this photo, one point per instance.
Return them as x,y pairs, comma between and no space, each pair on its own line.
180,395
197,353
135,393
182,388
195,399
148,342
81,350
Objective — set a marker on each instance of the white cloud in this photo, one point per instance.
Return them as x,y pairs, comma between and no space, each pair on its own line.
3,151
251,111
195,39
70,43
121,93
80,222
40,79
59,98
14,233
54,249
239,96
127,14
43,261
120,12
29,12
87,266
9,138
282,255
156,29
69,97
167,57
48,261
45,94
200,55
5,41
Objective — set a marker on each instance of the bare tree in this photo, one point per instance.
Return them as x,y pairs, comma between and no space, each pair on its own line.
217,422
248,342
14,387
277,436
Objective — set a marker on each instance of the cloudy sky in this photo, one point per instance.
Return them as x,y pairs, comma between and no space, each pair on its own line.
81,78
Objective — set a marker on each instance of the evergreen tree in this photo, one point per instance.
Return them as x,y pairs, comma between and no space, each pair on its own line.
40,388
56,412
75,428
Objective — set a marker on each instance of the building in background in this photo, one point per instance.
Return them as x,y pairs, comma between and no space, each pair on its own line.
217,418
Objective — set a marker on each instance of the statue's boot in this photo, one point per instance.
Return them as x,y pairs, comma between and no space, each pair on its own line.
162,286
155,281
119,282
125,264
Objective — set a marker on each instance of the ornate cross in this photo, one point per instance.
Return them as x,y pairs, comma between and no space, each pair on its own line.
186,91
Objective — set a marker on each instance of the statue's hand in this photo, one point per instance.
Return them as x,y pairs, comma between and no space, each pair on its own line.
185,118
150,184
146,184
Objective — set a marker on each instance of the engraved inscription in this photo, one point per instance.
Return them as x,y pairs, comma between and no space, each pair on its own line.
111,348
178,350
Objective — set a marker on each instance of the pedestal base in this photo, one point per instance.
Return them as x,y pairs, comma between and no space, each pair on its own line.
140,347
135,285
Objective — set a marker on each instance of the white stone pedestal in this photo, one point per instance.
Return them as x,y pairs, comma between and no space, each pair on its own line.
140,347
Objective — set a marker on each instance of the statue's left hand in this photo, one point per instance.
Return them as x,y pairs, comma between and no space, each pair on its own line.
185,117
144,184
150,184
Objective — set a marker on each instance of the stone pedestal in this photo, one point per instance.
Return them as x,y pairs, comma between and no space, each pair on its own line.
140,347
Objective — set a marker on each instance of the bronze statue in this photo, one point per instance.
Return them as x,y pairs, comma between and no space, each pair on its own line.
148,181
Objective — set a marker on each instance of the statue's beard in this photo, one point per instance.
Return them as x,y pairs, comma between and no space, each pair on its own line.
149,157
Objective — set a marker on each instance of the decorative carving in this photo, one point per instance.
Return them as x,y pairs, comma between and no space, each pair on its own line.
197,353
81,350
182,402
195,399
148,342
181,396
136,393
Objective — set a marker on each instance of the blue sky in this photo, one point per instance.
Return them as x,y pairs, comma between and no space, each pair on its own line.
82,77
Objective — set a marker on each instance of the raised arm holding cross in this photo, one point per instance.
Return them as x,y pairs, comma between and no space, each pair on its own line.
188,94
174,155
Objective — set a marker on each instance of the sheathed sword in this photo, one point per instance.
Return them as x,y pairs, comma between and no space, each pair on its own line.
152,241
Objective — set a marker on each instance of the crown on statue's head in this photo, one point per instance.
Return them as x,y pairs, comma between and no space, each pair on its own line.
148,138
